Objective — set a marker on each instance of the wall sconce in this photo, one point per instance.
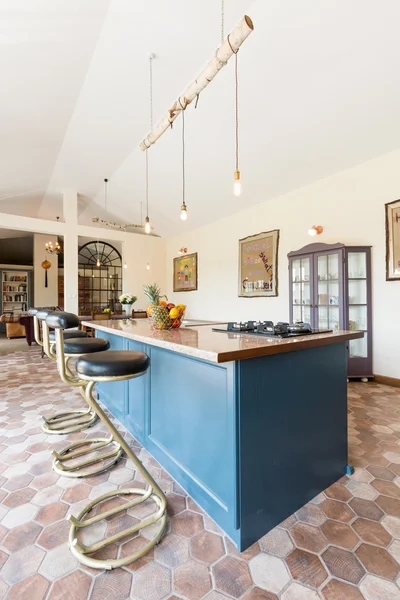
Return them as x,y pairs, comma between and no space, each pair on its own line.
182,250
315,230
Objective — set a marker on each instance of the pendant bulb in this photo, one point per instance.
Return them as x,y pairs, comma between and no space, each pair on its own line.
98,264
147,226
148,266
237,185
183,212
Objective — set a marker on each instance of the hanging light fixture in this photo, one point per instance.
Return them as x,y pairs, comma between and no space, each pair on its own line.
147,226
237,184
183,206
148,266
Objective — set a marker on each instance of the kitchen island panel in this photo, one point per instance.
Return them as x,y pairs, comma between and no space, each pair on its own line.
193,429
293,433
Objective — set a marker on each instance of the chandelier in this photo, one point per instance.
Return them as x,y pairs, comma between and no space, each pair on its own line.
56,249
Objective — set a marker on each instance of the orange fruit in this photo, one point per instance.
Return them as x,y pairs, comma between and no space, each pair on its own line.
162,303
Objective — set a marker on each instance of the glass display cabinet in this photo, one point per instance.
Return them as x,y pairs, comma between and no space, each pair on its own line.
330,288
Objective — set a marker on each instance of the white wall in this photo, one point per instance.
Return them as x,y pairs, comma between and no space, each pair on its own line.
349,205
137,251
44,296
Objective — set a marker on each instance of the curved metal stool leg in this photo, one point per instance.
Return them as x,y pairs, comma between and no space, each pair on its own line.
68,421
153,492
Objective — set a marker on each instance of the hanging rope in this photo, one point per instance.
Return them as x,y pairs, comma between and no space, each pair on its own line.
237,110
183,157
222,21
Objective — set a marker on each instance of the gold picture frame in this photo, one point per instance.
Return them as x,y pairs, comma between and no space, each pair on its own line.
392,212
258,265
186,273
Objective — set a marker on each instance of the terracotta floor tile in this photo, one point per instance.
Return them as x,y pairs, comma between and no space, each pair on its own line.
340,534
338,590
338,511
338,492
378,561
371,532
74,586
277,542
306,568
32,588
232,576
113,585
269,572
375,588
187,523
366,508
387,488
381,472
19,497
258,594
192,580
308,537
22,536
343,564
207,547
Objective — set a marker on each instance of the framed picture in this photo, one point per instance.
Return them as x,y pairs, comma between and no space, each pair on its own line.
393,241
185,273
258,265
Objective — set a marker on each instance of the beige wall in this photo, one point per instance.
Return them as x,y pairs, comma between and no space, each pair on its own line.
349,205
44,296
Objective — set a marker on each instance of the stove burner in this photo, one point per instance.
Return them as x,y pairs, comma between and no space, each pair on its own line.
267,328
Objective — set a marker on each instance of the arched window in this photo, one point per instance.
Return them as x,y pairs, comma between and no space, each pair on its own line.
100,277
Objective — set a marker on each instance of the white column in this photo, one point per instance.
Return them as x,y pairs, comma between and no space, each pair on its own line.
70,208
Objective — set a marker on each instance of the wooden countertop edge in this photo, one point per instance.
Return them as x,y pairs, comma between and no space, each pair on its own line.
222,357
284,348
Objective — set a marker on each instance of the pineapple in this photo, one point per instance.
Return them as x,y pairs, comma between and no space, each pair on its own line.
153,292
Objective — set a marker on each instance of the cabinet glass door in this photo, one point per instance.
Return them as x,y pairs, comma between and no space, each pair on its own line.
357,299
328,292
301,289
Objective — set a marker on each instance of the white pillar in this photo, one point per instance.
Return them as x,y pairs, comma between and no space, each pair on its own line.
70,208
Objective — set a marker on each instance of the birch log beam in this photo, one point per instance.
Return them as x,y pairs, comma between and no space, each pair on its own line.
230,46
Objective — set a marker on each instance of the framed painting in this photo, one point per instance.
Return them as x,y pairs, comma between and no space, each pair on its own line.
393,241
258,265
185,273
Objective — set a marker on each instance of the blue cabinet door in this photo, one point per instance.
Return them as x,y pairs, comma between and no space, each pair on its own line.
114,394
137,405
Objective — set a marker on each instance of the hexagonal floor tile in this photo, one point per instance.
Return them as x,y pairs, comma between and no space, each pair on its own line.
311,514
309,537
296,591
21,536
338,590
113,585
207,547
152,582
192,580
277,542
337,491
343,564
254,594
269,572
378,561
375,588
187,523
172,551
372,532
33,588
21,564
339,534
366,508
339,511
306,568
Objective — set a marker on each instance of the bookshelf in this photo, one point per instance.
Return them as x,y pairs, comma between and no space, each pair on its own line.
14,291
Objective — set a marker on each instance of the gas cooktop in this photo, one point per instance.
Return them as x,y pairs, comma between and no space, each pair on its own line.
268,329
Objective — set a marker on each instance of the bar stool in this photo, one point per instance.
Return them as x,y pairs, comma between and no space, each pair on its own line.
65,462
114,366
68,421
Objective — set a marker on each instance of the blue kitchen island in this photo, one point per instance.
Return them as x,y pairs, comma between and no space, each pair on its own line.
252,428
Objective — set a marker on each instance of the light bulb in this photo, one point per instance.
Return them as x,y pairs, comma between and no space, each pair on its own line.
125,266
148,267
237,186
312,231
183,212
98,264
147,226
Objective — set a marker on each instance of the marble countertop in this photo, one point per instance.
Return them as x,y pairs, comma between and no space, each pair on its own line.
201,342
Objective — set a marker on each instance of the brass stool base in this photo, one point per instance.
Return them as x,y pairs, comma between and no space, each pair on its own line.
105,451
81,552
69,421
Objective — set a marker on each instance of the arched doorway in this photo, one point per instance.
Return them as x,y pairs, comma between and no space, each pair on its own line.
100,277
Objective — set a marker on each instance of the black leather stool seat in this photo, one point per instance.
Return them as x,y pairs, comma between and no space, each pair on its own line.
75,333
115,363
83,345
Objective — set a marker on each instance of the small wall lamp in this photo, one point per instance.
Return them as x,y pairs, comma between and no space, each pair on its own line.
182,250
315,230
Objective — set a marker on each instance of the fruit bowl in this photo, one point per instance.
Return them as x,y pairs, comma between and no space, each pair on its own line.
163,317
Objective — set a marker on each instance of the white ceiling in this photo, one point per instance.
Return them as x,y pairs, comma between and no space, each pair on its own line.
319,91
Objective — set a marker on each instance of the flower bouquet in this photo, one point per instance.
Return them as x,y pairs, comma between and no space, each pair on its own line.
128,299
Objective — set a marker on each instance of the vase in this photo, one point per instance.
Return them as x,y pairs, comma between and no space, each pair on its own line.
128,310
